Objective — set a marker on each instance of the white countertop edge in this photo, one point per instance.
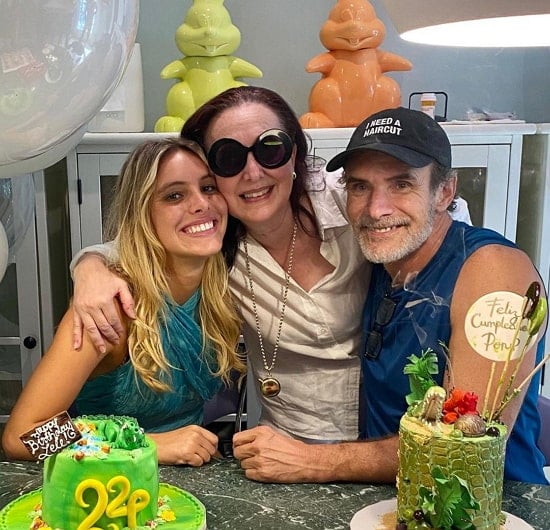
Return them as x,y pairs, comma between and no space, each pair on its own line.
474,129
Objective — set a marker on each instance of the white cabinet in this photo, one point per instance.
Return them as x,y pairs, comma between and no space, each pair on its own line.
34,292
24,324
92,169
533,232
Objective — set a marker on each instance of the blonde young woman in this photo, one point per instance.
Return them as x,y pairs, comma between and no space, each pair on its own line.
169,221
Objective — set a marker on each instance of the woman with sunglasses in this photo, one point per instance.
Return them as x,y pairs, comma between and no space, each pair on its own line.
169,220
297,272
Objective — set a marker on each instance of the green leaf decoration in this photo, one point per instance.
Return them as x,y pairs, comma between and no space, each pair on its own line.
537,318
448,504
420,371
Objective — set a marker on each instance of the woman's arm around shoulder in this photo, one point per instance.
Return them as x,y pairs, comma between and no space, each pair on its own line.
97,291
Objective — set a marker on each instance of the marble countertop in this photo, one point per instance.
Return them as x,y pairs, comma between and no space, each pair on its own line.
234,502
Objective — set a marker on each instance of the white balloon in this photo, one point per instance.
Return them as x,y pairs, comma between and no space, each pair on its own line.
3,251
60,60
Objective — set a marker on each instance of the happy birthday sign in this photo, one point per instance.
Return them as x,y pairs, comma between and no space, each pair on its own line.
51,437
495,328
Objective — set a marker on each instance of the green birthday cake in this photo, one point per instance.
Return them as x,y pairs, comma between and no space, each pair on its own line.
449,479
107,479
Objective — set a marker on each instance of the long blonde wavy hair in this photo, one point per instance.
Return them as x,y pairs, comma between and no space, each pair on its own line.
142,261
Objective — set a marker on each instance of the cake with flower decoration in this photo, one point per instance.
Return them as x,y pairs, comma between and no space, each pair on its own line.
451,450
451,460
107,479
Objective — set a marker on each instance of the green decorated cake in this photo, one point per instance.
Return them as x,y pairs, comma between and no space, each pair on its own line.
448,477
107,479
452,448
451,461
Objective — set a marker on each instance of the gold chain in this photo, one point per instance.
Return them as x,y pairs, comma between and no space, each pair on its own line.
285,295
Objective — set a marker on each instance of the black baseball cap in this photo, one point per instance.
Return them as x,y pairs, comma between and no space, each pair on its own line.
408,135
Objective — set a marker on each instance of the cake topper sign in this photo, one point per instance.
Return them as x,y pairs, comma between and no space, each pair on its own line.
51,437
495,326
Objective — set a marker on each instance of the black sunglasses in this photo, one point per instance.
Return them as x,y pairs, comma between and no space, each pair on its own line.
272,149
384,313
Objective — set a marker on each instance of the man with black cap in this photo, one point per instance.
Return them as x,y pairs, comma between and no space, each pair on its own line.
428,272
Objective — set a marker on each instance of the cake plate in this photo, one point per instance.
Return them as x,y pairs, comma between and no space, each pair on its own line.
371,518
189,511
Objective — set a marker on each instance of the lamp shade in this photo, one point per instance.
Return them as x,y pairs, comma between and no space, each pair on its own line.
485,23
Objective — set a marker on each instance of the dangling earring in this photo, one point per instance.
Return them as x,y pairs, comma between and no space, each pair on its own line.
294,175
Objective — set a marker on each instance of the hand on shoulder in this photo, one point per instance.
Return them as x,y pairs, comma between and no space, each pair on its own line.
96,290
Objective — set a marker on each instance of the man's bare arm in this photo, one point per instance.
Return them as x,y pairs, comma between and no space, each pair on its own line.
270,456
493,268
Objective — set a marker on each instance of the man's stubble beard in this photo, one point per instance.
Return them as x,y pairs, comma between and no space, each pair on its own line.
412,242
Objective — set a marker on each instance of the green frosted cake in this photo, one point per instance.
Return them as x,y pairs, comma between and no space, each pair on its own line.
112,469
460,476
451,453
451,461
108,479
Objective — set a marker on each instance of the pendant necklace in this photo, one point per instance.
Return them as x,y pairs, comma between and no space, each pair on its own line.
270,386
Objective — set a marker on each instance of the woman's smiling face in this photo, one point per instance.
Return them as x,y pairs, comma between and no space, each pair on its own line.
188,213
256,195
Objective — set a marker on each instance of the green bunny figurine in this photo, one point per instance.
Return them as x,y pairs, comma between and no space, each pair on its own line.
207,38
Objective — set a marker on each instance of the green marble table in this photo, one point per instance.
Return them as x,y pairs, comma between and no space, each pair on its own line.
235,503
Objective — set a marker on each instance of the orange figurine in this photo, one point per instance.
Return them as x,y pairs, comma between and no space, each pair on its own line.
353,85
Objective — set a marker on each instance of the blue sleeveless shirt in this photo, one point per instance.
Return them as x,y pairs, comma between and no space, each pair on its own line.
122,392
421,320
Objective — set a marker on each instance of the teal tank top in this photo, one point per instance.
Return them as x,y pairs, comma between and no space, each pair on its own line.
121,392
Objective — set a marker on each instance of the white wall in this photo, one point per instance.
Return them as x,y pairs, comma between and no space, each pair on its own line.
280,37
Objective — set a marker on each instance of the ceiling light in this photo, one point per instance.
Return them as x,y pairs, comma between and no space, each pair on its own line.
482,23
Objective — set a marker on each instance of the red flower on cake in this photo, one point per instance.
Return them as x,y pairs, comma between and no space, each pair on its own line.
469,404
458,404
